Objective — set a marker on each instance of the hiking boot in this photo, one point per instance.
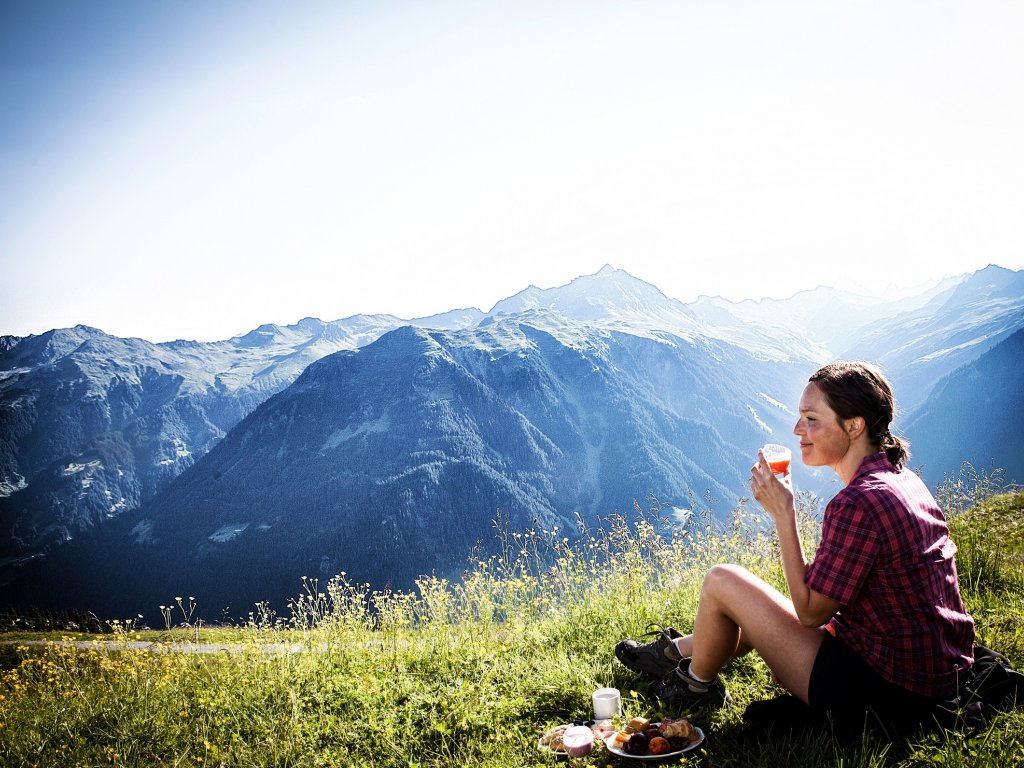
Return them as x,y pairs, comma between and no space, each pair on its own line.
679,688
656,658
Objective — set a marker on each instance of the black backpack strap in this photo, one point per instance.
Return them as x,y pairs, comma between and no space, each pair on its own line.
990,686
994,682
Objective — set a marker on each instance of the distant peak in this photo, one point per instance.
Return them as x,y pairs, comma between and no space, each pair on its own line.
262,336
995,268
609,294
79,332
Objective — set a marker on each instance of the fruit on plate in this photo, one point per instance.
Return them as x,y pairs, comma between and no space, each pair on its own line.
637,744
658,745
668,735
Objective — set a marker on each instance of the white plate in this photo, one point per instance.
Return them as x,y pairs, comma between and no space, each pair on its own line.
610,743
549,751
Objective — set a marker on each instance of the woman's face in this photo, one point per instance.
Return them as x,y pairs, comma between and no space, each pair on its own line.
824,440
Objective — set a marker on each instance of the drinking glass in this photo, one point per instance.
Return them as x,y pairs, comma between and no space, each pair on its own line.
778,458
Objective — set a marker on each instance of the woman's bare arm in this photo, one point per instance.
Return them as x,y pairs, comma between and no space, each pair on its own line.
776,496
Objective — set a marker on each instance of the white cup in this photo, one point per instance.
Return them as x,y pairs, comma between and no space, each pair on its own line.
607,703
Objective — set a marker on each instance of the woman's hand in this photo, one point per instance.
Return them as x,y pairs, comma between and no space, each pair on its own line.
775,495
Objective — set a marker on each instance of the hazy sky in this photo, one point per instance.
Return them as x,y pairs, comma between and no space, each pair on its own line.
192,169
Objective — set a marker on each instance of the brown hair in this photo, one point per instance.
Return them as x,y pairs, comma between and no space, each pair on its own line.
855,389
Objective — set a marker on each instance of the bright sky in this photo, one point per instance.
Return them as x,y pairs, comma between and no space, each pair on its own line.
192,169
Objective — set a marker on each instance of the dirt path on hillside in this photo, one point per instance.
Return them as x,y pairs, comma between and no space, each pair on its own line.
175,647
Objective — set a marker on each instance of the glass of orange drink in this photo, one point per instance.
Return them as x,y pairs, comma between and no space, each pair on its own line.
778,458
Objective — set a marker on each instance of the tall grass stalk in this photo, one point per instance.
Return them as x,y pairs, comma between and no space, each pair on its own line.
471,672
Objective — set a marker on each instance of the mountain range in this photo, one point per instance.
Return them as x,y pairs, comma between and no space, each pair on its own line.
131,472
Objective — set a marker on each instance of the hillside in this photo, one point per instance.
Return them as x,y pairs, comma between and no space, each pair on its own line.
470,673
975,415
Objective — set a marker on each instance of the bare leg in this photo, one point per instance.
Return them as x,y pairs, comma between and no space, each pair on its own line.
684,645
738,611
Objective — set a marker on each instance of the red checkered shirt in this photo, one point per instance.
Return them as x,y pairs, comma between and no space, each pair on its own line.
886,557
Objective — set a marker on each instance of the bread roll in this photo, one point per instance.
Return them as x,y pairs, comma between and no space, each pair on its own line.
638,724
680,728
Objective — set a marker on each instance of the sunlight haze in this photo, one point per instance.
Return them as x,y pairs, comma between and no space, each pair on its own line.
195,169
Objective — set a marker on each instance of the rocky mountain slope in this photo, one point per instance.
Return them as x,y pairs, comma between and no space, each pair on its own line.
975,415
92,425
219,469
955,327
394,460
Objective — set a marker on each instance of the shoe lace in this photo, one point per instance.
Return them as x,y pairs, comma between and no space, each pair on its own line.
655,630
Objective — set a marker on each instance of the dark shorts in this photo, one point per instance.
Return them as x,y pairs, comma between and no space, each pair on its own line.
844,684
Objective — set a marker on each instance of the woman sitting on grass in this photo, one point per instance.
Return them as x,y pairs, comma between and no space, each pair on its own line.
876,622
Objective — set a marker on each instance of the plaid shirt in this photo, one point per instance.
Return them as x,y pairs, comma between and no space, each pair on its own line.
886,557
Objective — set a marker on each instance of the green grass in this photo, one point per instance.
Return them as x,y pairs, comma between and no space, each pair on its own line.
471,673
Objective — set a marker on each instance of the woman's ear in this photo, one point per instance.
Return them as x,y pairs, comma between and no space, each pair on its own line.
854,427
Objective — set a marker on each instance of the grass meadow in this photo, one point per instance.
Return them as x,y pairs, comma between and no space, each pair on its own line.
472,673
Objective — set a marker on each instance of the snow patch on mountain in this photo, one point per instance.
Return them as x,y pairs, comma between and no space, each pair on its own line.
773,402
87,470
12,484
142,532
757,419
957,348
74,469
13,374
681,516
431,472
339,436
228,532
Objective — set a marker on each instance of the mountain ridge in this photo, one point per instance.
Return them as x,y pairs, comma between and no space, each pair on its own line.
97,432
392,460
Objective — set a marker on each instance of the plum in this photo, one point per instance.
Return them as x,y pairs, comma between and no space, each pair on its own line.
637,744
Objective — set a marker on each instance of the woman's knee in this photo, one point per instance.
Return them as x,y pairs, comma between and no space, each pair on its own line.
723,578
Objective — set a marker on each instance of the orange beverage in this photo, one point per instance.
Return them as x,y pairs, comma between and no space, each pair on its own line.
778,458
